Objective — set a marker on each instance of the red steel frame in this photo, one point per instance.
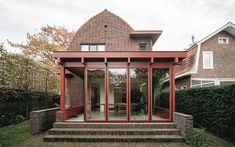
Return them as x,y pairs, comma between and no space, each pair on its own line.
146,66
105,65
95,66
112,65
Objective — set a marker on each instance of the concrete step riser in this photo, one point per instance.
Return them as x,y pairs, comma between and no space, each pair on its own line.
121,132
167,126
175,140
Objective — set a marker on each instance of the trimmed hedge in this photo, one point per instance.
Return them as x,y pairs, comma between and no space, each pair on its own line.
13,103
212,108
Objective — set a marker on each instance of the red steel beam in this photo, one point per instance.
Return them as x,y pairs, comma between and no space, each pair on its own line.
131,54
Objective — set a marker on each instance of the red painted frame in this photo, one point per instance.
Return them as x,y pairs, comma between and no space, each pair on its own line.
95,65
170,67
176,55
122,65
139,65
128,66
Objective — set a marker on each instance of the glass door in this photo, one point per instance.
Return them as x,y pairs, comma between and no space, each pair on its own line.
96,94
117,94
160,94
139,93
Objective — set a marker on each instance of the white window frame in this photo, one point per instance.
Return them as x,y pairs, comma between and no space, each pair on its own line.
84,47
211,60
222,38
98,47
201,84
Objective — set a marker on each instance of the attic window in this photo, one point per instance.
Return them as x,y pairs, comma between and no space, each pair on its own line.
223,40
92,47
142,46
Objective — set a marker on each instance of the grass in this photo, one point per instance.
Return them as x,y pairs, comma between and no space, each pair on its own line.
14,134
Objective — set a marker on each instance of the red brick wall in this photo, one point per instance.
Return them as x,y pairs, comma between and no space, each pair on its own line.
223,58
74,92
116,36
185,81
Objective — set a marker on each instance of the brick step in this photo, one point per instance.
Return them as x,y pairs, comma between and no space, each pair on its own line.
113,138
112,131
113,125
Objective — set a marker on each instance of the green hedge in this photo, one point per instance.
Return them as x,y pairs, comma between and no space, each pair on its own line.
212,108
13,103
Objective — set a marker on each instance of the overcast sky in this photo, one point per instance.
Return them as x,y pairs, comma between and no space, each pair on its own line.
179,19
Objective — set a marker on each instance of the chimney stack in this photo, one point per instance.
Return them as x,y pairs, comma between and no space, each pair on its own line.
193,40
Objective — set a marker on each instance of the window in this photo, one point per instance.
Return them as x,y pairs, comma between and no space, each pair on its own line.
101,47
92,47
184,87
202,83
223,40
207,60
142,46
84,47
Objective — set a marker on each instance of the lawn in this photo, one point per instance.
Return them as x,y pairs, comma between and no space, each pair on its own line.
14,134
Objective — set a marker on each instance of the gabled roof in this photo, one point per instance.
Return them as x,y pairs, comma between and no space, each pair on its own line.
229,27
190,64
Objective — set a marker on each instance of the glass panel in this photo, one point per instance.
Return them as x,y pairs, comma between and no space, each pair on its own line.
227,82
101,47
196,86
117,94
142,46
208,85
207,59
74,91
139,94
84,47
203,81
96,94
93,47
160,94
195,82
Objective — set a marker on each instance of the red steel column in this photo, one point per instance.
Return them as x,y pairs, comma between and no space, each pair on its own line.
62,89
172,85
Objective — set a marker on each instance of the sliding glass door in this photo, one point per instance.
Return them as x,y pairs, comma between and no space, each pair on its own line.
160,94
117,94
139,93
96,94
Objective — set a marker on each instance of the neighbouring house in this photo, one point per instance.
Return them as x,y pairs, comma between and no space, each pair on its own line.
112,84
210,61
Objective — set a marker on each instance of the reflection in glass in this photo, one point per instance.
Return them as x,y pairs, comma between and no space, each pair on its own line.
139,93
96,94
160,94
117,94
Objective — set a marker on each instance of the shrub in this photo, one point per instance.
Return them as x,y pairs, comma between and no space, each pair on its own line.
16,104
199,138
212,108
10,118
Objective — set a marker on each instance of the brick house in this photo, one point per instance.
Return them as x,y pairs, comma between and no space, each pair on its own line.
111,85
210,61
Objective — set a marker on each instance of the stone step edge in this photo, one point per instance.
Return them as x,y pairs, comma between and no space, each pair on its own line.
115,129
116,123
114,137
